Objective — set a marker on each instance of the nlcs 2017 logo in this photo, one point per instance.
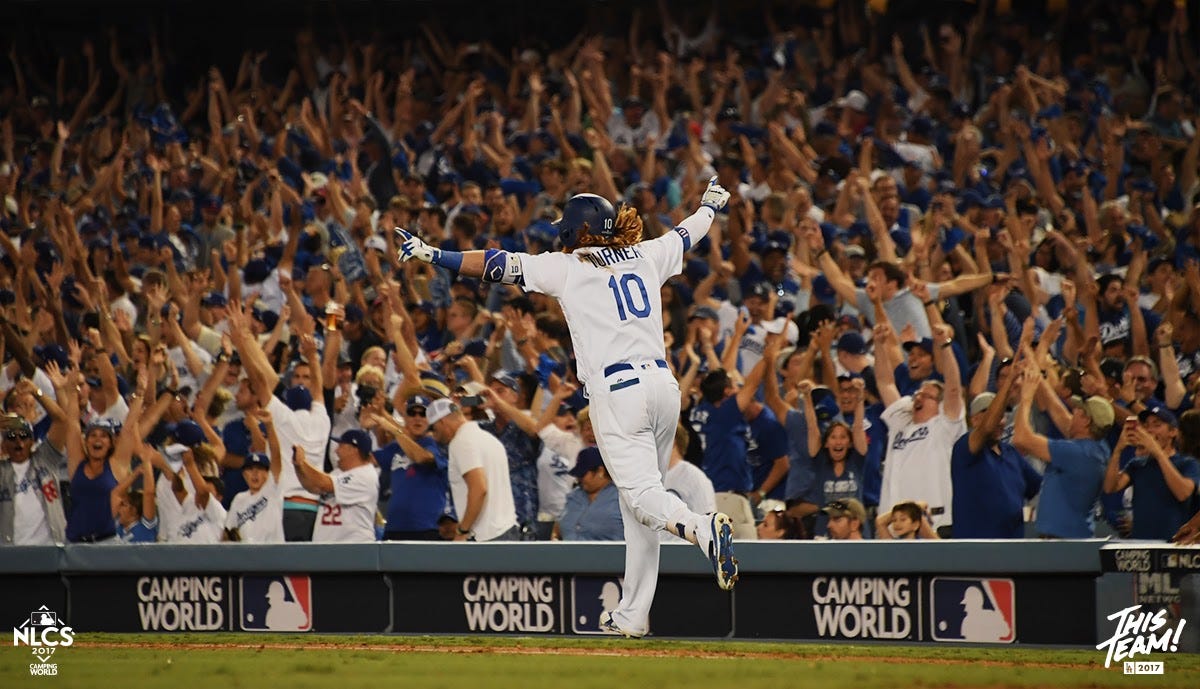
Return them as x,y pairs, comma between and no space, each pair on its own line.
44,633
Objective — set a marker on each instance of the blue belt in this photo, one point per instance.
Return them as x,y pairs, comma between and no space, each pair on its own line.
623,366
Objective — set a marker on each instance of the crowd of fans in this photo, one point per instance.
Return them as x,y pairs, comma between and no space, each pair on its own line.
954,295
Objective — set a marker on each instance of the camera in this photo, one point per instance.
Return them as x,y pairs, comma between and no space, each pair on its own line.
365,394
471,401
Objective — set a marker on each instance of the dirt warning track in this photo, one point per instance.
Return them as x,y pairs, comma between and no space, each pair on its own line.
630,651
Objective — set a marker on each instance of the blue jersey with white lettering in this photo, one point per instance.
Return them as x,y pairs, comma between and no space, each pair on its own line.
142,531
829,485
724,436
418,489
768,442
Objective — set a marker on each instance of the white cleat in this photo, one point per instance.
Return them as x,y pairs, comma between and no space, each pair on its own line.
608,624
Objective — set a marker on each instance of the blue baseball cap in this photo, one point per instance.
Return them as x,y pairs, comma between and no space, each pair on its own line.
925,343
256,459
186,432
852,343
1162,413
507,380
298,397
356,437
588,460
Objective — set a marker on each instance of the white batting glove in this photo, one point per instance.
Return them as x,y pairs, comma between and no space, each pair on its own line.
715,196
412,247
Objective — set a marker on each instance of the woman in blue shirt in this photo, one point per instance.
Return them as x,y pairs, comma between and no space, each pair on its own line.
839,455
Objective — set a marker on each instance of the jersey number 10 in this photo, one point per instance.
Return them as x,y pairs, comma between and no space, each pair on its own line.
625,299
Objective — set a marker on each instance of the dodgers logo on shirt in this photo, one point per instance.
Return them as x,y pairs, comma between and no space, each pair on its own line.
973,610
591,597
276,604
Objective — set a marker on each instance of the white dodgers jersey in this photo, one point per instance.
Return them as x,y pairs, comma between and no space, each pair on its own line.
610,296
347,515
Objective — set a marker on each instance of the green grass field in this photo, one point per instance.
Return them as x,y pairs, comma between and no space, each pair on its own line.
224,661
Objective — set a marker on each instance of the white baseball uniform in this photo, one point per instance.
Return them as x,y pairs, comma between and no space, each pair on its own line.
610,299
258,517
347,515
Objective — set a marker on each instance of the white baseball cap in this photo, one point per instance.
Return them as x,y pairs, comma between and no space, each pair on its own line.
855,100
376,242
438,410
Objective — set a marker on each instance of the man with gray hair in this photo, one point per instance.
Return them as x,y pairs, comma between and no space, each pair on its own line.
478,470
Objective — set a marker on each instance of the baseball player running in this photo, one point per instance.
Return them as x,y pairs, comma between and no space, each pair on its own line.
607,280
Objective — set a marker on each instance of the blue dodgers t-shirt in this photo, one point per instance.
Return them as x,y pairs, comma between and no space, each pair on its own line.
990,490
768,442
800,474
724,437
829,486
1157,515
1070,487
418,490
142,531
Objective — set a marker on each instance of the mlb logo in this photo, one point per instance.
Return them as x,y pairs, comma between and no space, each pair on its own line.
973,610
591,597
276,604
43,617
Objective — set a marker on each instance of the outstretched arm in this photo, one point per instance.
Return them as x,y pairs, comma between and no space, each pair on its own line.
1025,439
496,265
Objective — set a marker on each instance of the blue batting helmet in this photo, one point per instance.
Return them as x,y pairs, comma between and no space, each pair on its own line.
586,212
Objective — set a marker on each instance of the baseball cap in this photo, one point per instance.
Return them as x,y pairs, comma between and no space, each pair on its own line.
588,460
852,343
472,387
981,402
356,437
855,251
1162,413
186,432
1098,409
53,352
855,100
256,459
375,242
268,318
213,299
761,290
298,397
847,507
704,312
438,410
507,380
850,321
925,343
417,402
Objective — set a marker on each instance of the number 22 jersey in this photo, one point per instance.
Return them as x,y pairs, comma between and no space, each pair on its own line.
347,515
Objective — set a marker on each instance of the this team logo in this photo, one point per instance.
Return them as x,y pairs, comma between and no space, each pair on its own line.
44,633
591,597
276,604
973,610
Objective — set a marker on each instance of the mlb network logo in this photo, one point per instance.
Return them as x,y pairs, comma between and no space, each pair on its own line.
973,610
276,604
591,597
